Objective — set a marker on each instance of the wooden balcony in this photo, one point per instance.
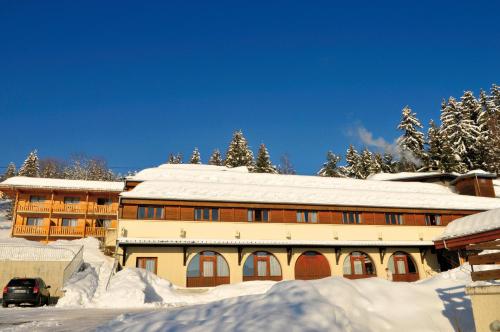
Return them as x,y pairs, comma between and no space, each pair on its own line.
29,230
95,231
59,208
103,210
69,208
33,207
64,231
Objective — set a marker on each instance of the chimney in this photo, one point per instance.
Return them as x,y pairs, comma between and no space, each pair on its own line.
475,183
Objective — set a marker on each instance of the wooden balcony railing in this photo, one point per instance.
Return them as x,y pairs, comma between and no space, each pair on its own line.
103,210
66,231
30,230
95,231
69,208
33,207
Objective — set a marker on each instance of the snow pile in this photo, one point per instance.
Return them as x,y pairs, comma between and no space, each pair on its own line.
5,223
330,304
134,288
15,251
473,224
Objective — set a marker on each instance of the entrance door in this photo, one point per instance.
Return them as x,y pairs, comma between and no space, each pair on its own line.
312,265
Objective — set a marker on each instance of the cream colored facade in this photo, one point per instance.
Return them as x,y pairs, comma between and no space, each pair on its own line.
485,306
171,266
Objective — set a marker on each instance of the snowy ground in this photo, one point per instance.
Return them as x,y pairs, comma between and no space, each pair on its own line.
5,223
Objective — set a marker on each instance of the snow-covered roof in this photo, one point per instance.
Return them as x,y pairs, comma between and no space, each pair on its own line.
61,184
408,175
199,184
29,251
473,224
164,171
184,241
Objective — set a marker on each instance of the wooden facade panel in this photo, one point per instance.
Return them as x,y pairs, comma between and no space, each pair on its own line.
378,218
367,218
409,219
486,188
290,216
336,217
226,214
187,213
240,214
325,217
276,215
171,213
129,212
420,219
446,219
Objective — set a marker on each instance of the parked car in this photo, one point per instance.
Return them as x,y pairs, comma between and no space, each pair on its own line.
26,291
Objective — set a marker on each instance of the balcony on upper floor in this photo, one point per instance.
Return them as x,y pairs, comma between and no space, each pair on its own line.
91,209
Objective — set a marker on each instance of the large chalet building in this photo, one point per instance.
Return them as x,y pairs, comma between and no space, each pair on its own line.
199,225
202,226
52,209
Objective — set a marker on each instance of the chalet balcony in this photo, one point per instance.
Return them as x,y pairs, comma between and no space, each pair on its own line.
66,231
29,230
95,231
59,231
80,209
33,207
103,210
69,208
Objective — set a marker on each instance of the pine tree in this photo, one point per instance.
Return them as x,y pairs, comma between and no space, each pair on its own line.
51,168
450,161
330,167
238,152
435,148
30,167
411,143
195,157
174,158
286,167
377,164
263,163
10,171
352,158
453,134
473,125
216,158
491,130
97,170
388,163
365,164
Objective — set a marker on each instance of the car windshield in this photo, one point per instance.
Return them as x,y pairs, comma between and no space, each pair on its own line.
21,283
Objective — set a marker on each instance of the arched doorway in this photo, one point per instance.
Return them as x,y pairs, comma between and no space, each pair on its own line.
358,265
312,265
262,265
207,269
402,267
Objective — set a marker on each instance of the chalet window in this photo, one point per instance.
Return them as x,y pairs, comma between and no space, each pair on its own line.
150,212
104,201
433,219
393,219
71,200
106,223
359,265
37,199
258,215
261,265
206,214
351,218
69,222
307,216
34,221
147,263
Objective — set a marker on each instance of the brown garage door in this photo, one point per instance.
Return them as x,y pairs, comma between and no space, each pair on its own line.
312,265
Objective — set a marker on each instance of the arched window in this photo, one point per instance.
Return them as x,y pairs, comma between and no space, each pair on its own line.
207,269
261,265
312,265
402,267
358,265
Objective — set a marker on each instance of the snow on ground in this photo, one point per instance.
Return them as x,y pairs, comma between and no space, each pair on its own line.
5,223
330,304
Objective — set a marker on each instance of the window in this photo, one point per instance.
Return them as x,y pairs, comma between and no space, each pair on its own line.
402,267
393,219
106,223
71,200
351,218
147,263
207,269
67,222
433,220
37,199
307,216
206,214
104,201
358,265
261,265
257,215
34,222
150,212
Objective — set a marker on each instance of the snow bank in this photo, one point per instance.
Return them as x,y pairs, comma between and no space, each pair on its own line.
5,223
330,304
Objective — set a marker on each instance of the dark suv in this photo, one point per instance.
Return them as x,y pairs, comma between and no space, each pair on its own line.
26,290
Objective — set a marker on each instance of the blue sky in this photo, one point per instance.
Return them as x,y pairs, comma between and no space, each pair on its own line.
134,81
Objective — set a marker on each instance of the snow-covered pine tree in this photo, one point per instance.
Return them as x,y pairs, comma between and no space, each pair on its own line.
330,167
51,168
10,171
474,126
365,164
263,162
195,157
377,163
216,158
286,167
174,158
435,148
492,127
450,161
30,167
97,170
411,142
238,153
388,163
453,132
352,158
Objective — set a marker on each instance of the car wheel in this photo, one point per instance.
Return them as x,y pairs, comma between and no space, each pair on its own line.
47,300
5,304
